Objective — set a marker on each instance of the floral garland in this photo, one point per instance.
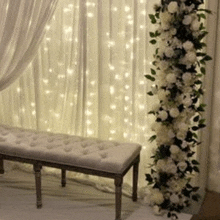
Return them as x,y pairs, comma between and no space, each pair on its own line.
177,73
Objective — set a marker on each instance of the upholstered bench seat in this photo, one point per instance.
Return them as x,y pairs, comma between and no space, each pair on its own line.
67,152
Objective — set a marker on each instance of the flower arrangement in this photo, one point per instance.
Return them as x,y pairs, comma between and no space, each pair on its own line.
179,67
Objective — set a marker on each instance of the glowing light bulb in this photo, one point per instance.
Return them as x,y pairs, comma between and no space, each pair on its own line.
112,90
70,71
90,15
127,8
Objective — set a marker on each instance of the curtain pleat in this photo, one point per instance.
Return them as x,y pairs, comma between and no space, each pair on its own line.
22,28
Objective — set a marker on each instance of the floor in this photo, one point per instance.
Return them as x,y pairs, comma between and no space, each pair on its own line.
74,202
210,209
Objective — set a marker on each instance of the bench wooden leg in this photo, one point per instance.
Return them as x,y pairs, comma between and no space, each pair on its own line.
1,165
63,178
37,170
135,179
118,194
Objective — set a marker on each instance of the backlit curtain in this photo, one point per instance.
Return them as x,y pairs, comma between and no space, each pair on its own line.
22,25
88,76
210,162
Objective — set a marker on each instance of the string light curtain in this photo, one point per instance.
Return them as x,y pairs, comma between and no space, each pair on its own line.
88,76
22,25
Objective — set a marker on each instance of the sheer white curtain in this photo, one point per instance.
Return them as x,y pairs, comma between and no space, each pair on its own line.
88,77
210,153
22,25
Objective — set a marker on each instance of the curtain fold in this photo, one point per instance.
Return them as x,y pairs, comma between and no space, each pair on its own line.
88,76
210,156
22,26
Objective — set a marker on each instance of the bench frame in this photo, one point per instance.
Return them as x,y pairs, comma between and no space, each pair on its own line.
118,177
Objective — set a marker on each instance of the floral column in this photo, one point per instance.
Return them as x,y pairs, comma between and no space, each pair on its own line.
179,66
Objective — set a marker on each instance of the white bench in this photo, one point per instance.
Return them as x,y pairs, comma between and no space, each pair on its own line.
86,155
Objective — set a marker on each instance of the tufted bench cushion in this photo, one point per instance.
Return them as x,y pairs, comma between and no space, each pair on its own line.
90,153
67,152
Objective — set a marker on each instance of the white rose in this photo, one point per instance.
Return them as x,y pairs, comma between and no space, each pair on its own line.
154,89
172,7
156,197
174,149
161,164
183,126
165,17
171,168
187,77
173,31
187,20
163,65
174,112
174,198
182,166
171,78
184,144
195,25
181,135
162,115
162,94
187,101
157,210
191,56
188,45
171,134
169,52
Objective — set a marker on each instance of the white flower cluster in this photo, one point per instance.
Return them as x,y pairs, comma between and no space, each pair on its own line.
176,86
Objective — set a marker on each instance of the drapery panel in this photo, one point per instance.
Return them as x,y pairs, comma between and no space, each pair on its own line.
211,155
22,25
88,76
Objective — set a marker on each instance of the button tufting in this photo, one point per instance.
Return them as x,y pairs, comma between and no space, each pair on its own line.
33,144
66,142
68,148
85,151
35,138
18,141
104,155
4,133
50,139
2,139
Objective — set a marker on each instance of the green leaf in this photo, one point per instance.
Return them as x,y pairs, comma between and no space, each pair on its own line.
153,19
195,189
196,119
195,162
152,34
151,112
150,77
202,121
207,58
196,169
201,36
195,128
200,54
152,138
149,178
153,72
198,82
153,41
203,71
195,198
205,10
202,16
202,125
150,93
